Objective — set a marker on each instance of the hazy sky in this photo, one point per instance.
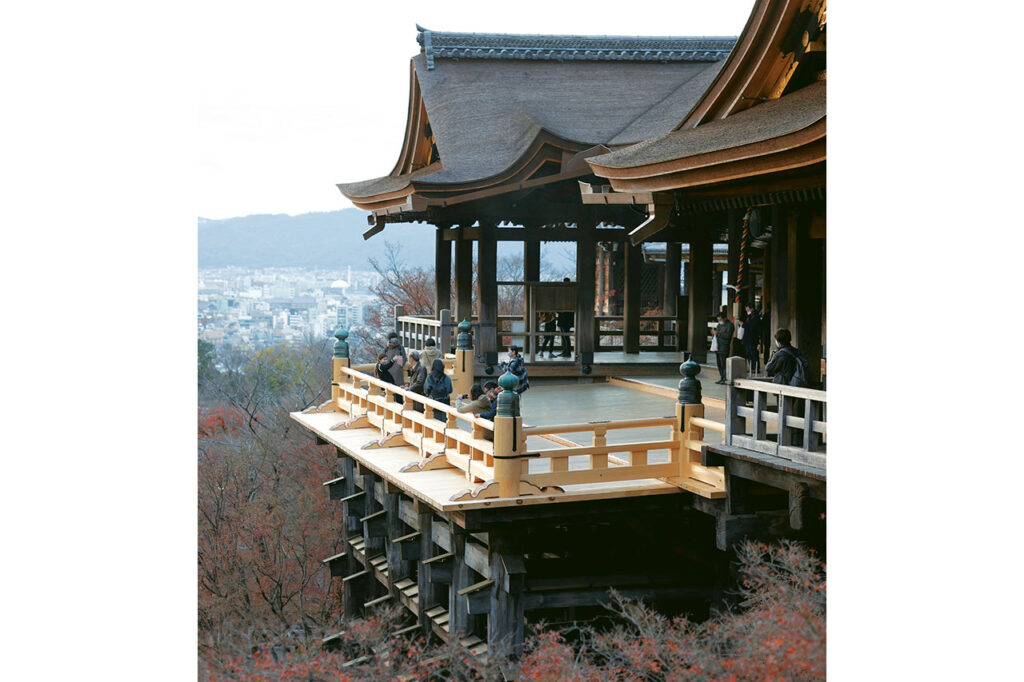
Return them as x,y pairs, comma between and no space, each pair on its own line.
295,97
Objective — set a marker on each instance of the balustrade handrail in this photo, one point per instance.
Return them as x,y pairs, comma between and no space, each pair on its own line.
781,389
582,427
418,398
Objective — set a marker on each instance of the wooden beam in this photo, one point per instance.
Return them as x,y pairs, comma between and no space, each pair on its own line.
531,260
673,262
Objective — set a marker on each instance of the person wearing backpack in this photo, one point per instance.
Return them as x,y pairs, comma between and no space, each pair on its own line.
438,387
787,366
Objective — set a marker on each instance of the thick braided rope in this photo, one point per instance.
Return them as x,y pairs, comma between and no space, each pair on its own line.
743,255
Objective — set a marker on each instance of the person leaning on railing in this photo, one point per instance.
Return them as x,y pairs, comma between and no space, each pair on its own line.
438,387
383,369
417,378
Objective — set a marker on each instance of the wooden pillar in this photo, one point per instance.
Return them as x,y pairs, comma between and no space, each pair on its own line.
427,590
601,287
717,280
631,300
700,298
463,279
608,282
487,281
810,257
442,273
506,616
531,260
586,285
462,577
398,569
673,261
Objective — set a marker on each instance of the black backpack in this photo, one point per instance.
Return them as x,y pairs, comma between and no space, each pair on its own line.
803,368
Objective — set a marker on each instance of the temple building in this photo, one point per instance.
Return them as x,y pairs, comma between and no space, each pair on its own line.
680,168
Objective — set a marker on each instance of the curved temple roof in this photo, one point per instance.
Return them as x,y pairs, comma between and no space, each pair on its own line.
496,119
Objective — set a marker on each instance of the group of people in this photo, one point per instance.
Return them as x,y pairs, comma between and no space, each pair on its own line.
547,324
394,362
432,383
786,365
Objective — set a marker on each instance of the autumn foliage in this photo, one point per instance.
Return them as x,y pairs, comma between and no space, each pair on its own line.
266,600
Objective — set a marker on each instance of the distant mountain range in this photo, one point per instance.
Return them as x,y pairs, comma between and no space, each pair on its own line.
313,240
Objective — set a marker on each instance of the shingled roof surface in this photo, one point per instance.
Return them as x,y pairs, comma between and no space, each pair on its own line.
487,114
772,119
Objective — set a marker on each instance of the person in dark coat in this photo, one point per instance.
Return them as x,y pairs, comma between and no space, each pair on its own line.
782,366
751,335
383,369
417,374
438,387
515,365
547,323
723,332
565,322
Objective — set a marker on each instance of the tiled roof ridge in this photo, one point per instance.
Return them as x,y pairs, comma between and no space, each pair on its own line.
435,44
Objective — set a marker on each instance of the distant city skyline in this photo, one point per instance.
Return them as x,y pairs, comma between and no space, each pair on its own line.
293,102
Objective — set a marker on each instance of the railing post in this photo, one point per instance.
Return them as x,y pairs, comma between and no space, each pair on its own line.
735,368
509,443
689,405
339,360
462,380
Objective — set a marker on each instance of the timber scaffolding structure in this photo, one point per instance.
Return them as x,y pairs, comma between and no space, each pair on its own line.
478,526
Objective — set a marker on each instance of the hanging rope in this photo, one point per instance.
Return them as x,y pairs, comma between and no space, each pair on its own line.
743,255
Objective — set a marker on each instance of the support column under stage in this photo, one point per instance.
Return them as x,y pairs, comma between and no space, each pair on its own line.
699,291
442,273
463,279
586,287
487,280
631,299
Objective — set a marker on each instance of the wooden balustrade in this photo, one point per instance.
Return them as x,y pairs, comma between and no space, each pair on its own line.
414,330
798,417
657,332
493,454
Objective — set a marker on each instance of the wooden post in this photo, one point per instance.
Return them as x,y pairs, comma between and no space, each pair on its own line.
463,278
398,569
631,300
509,443
442,272
427,594
462,577
487,298
673,261
602,287
700,297
505,617
688,406
462,381
531,260
735,368
339,360
586,285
